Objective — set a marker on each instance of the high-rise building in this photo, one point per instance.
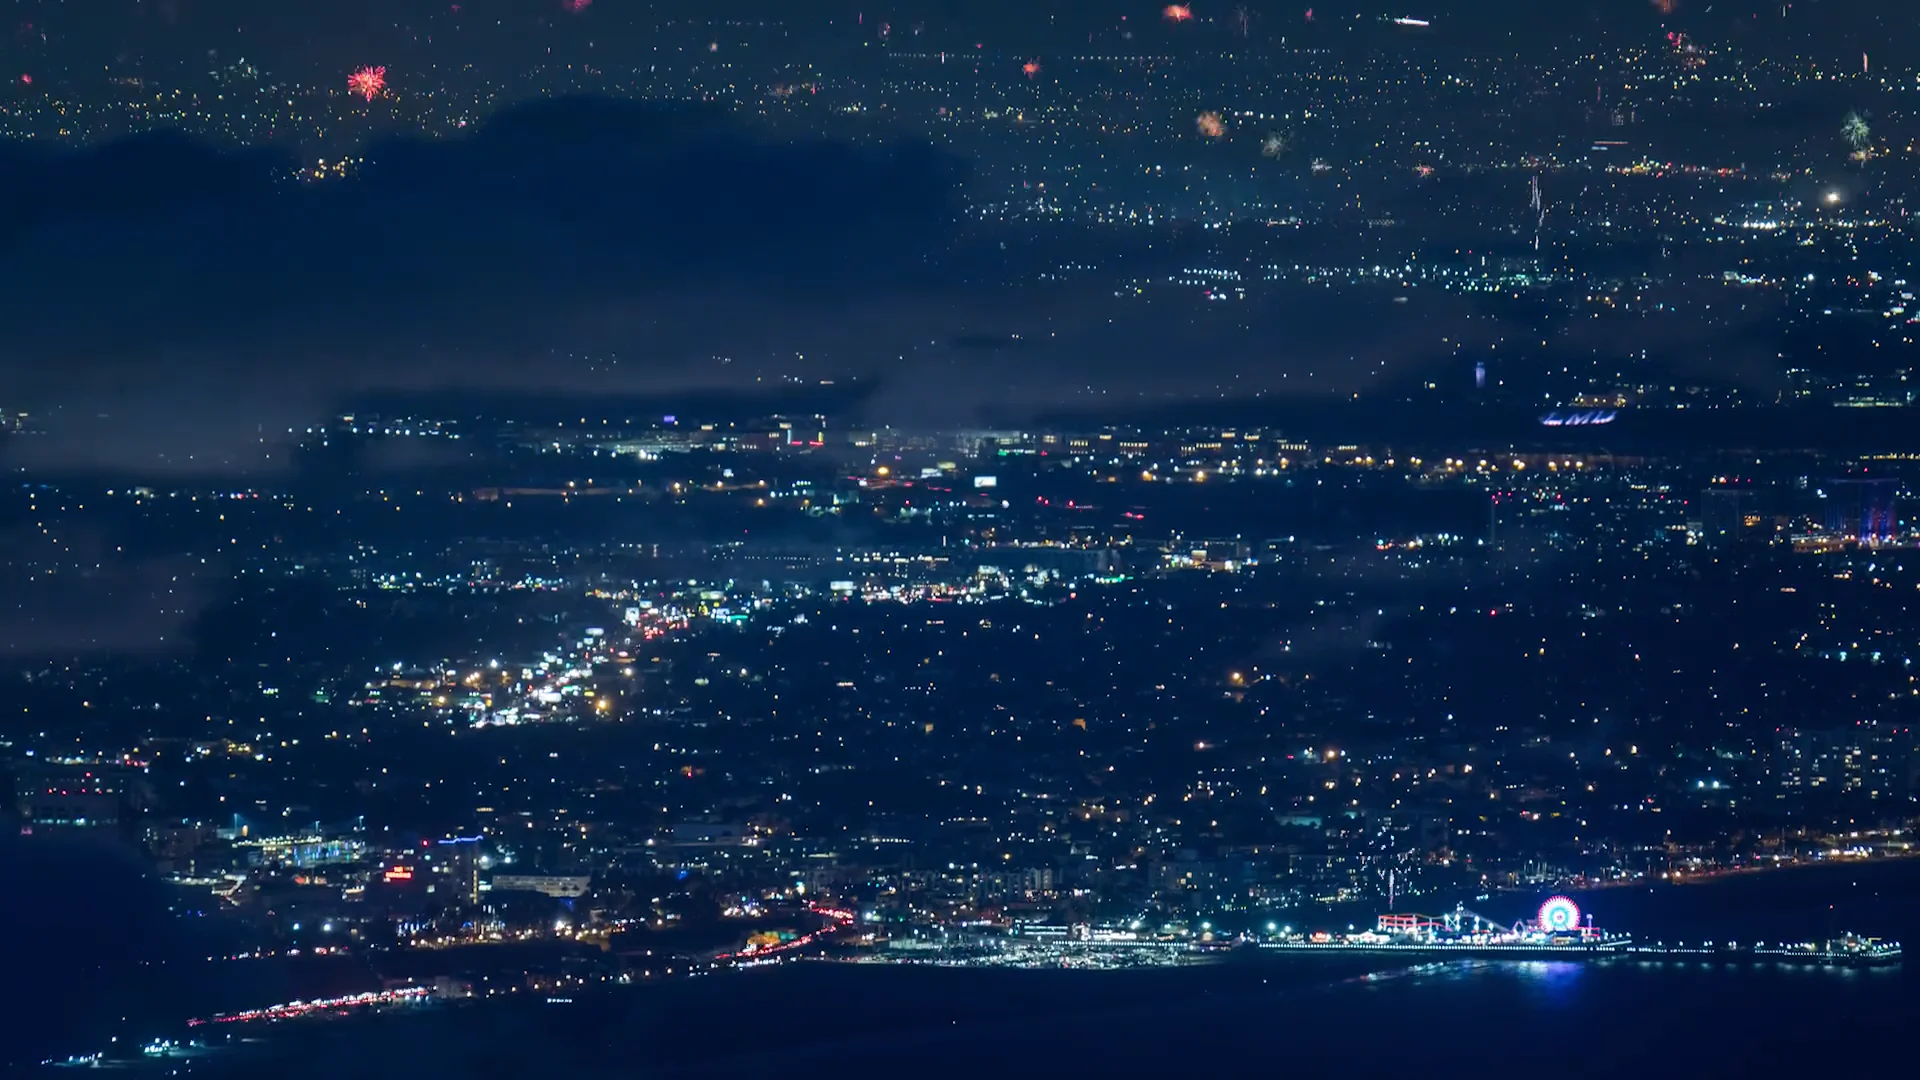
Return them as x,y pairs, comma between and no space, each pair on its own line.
459,856
68,797
1729,514
1861,508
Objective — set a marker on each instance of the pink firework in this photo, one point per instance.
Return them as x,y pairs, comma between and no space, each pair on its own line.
576,6
368,82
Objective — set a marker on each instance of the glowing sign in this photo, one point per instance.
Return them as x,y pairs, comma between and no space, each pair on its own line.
1583,418
1559,915
986,481
399,873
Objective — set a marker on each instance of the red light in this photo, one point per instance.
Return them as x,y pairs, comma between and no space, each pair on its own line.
368,82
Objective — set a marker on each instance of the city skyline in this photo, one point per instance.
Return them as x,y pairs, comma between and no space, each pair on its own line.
592,536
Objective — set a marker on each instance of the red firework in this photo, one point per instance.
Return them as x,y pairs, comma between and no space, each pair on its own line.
1030,68
1176,13
368,82
576,6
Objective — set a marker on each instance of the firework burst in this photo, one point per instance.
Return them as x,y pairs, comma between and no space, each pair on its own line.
1030,68
1855,130
576,6
1210,125
368,82
1396,866
1176,13
1275,145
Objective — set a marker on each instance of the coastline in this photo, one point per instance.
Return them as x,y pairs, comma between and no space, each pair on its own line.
1722,873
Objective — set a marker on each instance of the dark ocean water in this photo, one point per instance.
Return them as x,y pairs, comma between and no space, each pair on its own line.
96,946
1310,1017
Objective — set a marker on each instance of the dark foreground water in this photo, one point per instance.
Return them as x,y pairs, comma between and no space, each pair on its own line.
1309,1017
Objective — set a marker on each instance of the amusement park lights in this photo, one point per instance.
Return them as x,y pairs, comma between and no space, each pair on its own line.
1559,915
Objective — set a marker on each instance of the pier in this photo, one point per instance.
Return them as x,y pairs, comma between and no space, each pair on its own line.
1560,932
1850,950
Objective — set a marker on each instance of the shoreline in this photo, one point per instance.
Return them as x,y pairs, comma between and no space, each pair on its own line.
1708,876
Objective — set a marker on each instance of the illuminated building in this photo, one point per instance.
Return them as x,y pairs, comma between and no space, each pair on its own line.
559,886
1861,508
69,797
1727,515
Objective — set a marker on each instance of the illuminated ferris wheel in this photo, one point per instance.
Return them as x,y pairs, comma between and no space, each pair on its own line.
1559,915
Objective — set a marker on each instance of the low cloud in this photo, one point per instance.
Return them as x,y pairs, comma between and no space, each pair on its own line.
169,304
